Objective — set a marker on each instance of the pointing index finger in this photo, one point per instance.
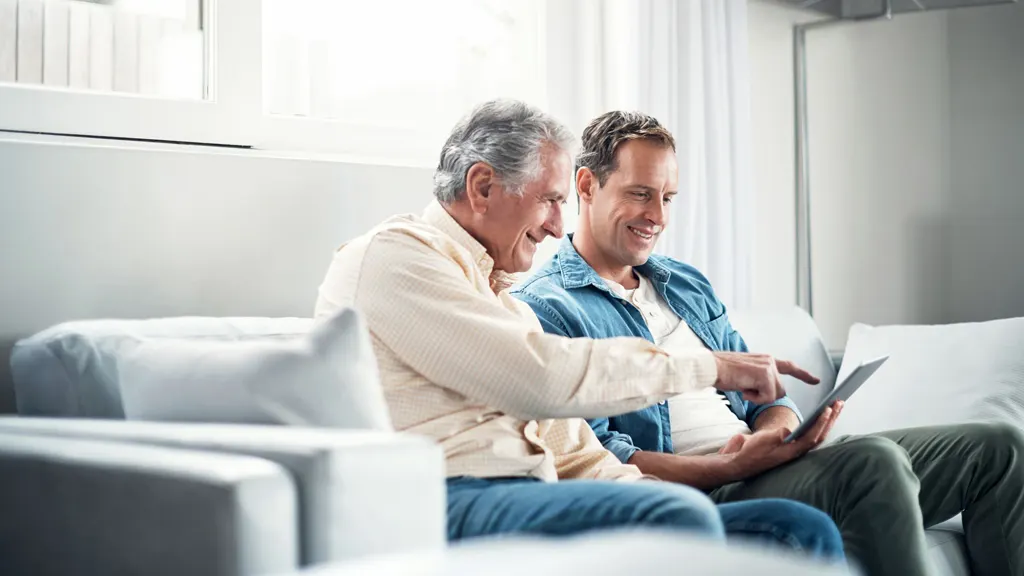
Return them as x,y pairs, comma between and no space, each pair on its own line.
791,369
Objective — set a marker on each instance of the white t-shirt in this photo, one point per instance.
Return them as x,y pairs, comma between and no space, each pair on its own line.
701,421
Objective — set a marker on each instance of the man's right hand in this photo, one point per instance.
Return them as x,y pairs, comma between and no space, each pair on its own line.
756,376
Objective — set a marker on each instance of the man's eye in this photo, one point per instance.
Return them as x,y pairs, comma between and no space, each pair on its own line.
668,199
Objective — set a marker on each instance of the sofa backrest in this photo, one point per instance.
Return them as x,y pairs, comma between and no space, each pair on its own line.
790,334
71,369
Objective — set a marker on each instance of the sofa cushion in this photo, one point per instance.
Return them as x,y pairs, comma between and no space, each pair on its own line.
947,551
936,375
326,378
71,369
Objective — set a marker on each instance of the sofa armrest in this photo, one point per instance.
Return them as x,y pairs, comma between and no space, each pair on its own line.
87,507
361,492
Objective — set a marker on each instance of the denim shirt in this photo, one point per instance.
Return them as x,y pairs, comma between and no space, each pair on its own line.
570,299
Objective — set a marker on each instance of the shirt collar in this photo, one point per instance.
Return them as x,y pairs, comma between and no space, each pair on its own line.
437,216
576,273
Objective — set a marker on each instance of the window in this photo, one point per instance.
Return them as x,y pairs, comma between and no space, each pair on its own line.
132,46
174,70
355,61
376,78
401,70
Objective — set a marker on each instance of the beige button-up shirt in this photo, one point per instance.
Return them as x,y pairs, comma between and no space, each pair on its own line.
468,365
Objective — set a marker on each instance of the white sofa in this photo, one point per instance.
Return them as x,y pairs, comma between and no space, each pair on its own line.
793,335
352,493
358,493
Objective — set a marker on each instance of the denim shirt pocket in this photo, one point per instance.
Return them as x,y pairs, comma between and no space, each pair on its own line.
717,331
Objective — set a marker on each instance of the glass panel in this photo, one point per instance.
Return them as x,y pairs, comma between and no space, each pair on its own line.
153,47
400,63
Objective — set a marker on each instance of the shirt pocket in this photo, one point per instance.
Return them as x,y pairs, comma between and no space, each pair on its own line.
718,329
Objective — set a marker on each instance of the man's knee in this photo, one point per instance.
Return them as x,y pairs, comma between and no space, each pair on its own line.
997,438
877,461
673,506
791,523
876,452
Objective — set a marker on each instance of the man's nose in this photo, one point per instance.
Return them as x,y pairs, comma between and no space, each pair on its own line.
657,213
554,224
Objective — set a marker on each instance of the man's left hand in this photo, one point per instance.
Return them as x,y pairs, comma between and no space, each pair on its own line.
764,450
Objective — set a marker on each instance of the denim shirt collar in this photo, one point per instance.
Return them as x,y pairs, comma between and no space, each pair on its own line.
576,273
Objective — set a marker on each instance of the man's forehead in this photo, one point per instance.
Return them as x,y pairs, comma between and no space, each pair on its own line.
640,164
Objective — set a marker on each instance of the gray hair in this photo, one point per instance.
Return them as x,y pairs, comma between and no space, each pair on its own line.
508,135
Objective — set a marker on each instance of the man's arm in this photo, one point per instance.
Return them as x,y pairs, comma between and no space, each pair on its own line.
419,303
579,455
776,417
744,456
701,472
619,444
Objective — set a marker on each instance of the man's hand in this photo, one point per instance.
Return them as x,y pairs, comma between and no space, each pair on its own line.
757,376
752,454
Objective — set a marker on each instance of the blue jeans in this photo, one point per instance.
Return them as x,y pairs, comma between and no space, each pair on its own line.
493,506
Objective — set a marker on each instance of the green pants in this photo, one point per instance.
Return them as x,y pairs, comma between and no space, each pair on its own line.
882,490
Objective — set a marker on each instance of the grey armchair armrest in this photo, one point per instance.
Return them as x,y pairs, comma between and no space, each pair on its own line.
86,507
360,492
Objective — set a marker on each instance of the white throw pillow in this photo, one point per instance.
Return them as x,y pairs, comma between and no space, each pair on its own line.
326,378
942,374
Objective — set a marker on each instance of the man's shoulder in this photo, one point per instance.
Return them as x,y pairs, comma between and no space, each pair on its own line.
545,292
544,281
677,267
683,275
381,250
398,234
685,280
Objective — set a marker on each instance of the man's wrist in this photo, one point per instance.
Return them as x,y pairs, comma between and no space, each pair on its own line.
725,468
707,369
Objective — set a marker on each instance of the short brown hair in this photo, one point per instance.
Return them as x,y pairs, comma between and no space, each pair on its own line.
601,138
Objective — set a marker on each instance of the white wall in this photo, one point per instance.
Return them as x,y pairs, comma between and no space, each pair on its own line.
771,101
90,230
986,54
879,149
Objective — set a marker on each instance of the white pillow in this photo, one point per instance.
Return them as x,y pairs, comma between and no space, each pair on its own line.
936,375
326,378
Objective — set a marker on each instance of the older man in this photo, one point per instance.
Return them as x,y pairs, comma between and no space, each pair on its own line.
881,489
468,365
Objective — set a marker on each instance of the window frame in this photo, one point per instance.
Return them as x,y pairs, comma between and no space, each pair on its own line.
234,114
225,117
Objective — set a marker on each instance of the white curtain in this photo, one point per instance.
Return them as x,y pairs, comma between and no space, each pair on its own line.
684,62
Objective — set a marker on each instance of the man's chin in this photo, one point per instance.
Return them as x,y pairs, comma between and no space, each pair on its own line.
521,265
639,258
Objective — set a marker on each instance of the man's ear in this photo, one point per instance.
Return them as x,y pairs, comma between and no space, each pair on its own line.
586,184
481,185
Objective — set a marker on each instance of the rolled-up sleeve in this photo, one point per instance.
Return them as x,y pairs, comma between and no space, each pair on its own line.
755,410
619,444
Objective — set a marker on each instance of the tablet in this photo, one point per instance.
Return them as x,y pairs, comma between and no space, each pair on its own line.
842,391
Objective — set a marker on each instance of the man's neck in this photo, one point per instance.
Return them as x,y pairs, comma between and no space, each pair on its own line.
592,255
